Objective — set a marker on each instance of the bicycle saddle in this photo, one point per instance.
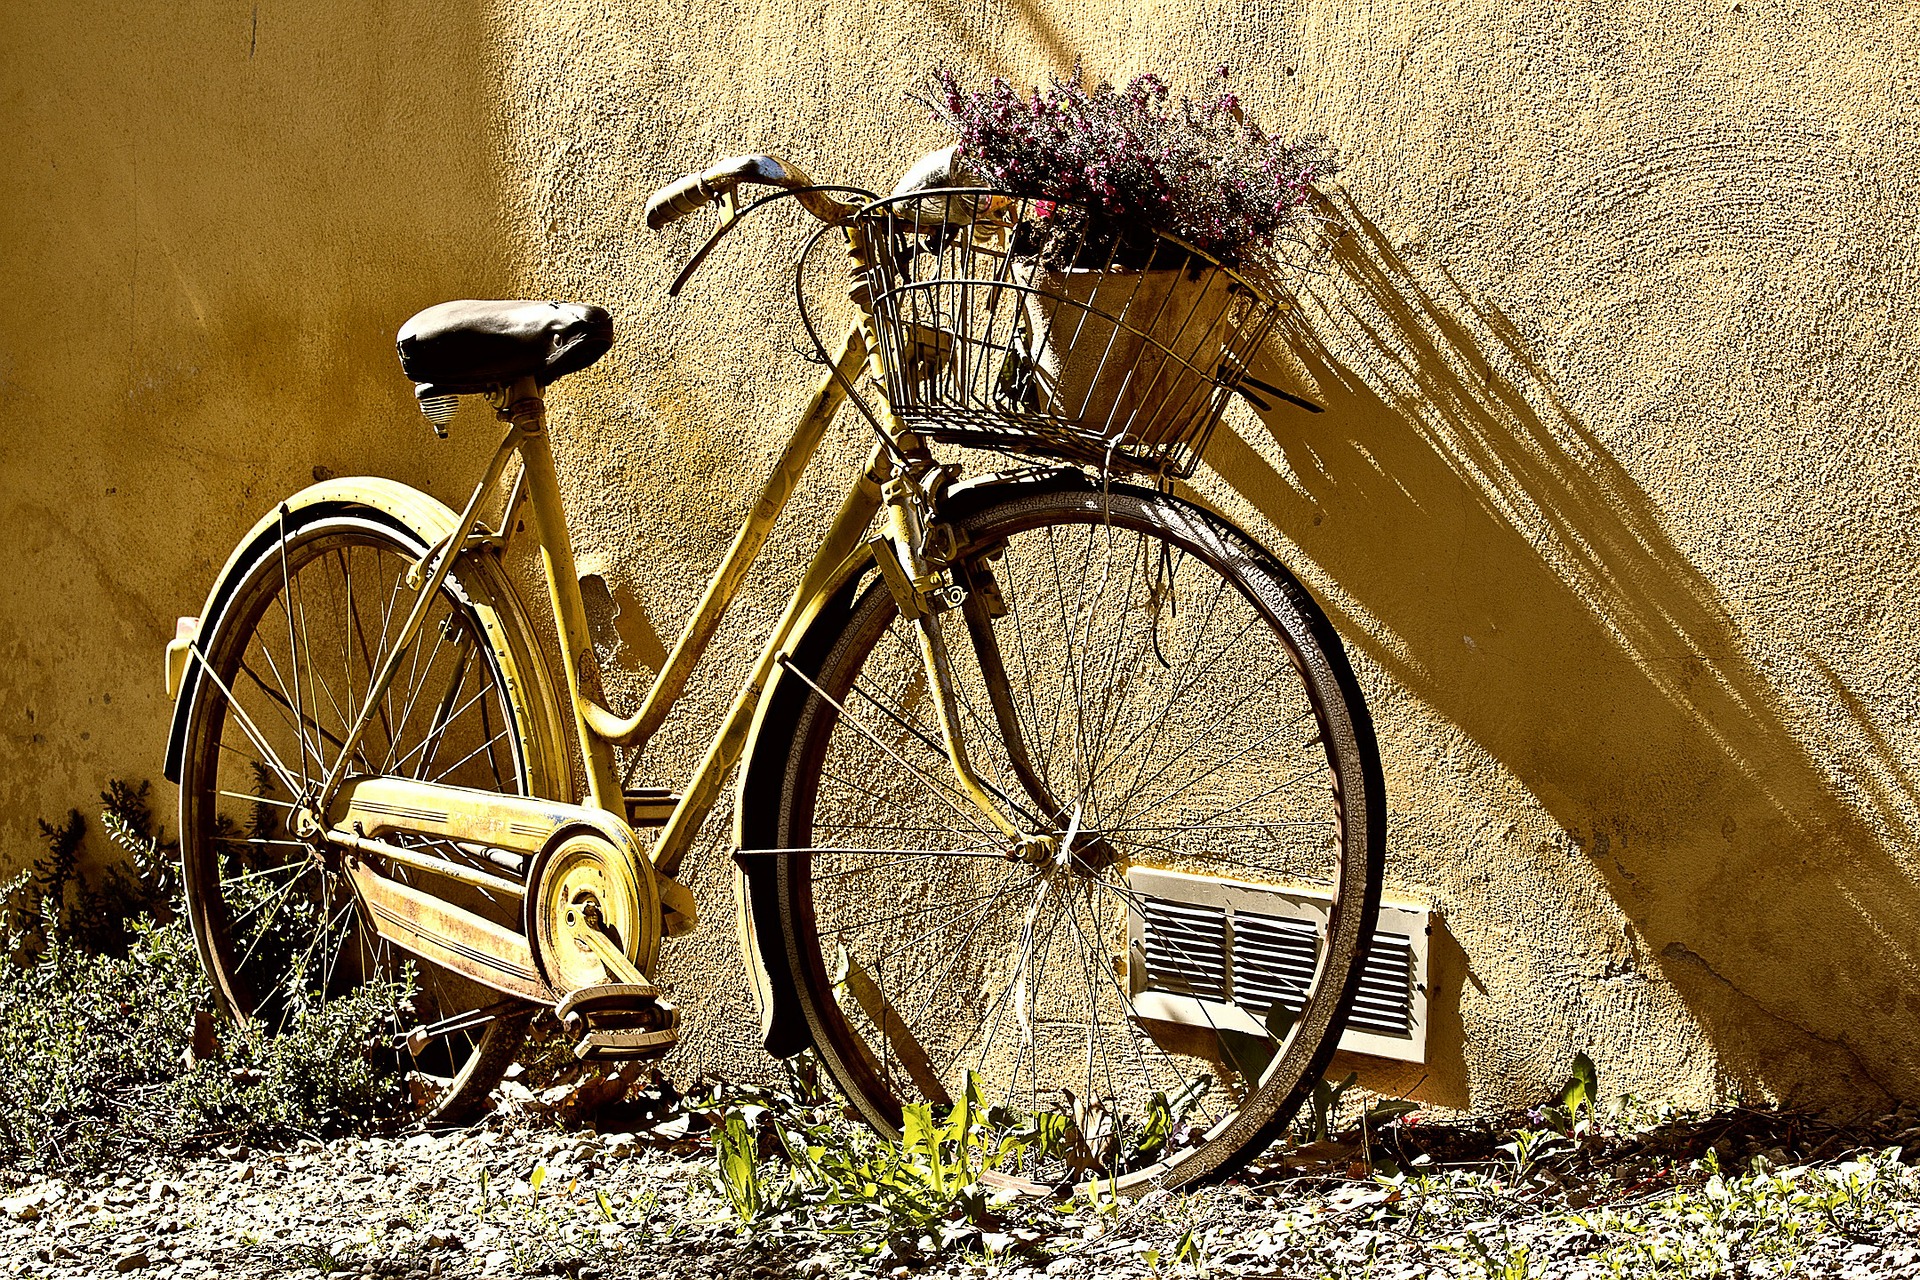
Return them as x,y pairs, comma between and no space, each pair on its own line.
465,348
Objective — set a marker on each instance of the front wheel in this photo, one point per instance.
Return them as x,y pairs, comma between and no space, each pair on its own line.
1153,999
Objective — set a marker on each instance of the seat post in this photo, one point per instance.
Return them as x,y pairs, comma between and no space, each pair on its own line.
527,411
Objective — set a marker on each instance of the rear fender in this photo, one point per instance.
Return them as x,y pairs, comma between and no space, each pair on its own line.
424,520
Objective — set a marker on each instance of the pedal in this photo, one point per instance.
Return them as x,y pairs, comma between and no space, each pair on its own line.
620,1020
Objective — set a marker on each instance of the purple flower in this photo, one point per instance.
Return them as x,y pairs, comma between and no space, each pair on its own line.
1209,175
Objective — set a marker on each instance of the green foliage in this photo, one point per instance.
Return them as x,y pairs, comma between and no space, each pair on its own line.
1322,1105
1166,1116
737,1153
783,1157
1581,1093
55,897
1188,1253
106,1038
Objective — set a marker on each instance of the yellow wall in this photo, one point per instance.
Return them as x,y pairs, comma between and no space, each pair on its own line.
1614,501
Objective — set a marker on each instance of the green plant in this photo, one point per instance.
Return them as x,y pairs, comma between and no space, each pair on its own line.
319,1257
787,1157
106,1039
1580,1094
737,1156
1188,1253
1325,1100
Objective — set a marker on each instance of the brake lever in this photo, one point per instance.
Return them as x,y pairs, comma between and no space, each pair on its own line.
729,219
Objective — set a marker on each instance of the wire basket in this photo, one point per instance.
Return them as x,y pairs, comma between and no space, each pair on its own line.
1017,325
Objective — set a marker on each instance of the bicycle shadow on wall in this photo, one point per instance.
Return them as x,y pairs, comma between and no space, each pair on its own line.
1499,564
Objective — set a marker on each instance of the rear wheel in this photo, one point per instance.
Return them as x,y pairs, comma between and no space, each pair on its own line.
288,664
1155,999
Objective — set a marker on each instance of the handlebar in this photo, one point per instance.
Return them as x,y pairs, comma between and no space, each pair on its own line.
687,194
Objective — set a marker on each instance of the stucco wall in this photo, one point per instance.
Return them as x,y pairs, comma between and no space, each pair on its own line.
1614,501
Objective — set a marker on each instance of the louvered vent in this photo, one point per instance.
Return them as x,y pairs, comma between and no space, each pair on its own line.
1222,953
1272,961
1186,948
1386,987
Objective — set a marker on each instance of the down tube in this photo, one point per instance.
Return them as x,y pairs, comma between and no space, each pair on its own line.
842,540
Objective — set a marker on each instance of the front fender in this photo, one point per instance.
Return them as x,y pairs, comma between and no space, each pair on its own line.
756,815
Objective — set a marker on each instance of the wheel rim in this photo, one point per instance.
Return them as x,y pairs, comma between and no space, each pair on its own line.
971,960
287,669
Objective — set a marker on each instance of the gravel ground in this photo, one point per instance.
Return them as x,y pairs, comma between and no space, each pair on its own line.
599,1206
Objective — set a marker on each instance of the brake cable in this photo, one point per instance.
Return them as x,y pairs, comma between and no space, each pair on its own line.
729,223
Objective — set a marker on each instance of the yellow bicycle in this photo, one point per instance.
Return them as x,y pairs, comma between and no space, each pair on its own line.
1054,786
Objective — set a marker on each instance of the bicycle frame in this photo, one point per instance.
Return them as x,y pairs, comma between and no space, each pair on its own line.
599,730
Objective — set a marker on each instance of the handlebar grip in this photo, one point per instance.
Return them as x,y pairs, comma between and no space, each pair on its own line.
684,195
681,197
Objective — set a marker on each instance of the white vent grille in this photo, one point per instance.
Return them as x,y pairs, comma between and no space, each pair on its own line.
1385,1002
1272,961
1222,953
1186,948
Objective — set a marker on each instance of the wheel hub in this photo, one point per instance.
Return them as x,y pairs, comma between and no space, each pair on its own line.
307,825
1077,852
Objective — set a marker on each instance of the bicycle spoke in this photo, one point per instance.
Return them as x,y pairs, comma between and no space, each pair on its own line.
848,718
285,932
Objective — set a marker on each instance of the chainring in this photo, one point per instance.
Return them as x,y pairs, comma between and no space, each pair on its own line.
581,882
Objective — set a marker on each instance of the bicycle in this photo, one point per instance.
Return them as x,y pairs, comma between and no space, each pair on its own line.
1022,772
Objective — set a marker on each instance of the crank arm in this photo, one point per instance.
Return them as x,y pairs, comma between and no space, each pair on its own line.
619,968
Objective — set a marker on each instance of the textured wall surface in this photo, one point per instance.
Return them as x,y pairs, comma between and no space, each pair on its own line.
1615,501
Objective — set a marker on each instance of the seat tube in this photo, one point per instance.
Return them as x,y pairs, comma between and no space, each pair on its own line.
563,589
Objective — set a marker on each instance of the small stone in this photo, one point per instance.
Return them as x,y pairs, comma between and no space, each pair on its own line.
130,1261
498,1260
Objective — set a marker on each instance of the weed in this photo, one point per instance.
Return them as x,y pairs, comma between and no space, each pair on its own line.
104,1020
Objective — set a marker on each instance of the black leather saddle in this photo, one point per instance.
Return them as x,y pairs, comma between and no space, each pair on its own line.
465,348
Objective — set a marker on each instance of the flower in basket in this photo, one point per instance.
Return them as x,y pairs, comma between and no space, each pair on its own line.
1138,159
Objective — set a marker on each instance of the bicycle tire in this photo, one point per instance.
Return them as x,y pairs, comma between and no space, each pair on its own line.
879,778
313,602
